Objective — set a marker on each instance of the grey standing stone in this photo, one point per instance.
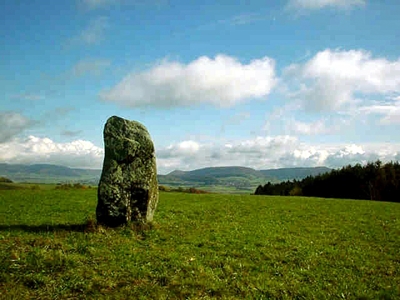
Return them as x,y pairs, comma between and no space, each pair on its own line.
128,188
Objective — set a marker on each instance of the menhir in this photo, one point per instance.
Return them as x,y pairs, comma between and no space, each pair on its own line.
128,188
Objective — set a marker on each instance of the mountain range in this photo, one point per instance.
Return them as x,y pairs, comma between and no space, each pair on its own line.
213,178
46,173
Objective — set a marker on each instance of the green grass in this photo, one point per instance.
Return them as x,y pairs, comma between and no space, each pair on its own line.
223,189
199,247
219,189
21,186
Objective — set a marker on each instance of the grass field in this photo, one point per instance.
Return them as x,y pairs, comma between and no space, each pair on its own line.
199,247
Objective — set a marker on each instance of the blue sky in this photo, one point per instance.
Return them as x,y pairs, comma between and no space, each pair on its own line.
262,84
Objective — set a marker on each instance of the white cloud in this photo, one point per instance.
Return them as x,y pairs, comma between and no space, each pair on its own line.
303,128
334,78
328,125
222,81
185,148
390,112
319,4
79,153
259,153
279,114
189,146
12,124
272,152
93,33
253,153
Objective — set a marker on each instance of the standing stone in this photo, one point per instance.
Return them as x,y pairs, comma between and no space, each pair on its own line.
128,188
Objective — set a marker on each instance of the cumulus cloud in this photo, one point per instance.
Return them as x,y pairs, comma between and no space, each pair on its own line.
186,148
259,153
221,81
335,78
253,153
319,4
270,152
78,153
390,112
12,124
327,125
303,128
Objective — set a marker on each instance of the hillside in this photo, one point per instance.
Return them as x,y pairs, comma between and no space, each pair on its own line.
232,177
239,178
294,173
46,173
236,178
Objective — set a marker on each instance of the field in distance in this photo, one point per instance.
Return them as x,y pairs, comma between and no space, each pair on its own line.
199,247
214,179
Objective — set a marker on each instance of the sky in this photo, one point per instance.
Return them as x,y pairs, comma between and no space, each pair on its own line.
260,84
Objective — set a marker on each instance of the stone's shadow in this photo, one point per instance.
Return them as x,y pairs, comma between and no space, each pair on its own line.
87,227
45,227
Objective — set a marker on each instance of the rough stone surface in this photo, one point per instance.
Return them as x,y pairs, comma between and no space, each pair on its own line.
128,188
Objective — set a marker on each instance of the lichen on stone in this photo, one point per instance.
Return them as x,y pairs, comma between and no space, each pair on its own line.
128,188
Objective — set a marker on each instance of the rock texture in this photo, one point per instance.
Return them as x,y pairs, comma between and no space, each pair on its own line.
128,188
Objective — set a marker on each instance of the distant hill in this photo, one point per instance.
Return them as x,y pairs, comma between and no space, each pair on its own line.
241,178
46,173
284,174
233,178
216,172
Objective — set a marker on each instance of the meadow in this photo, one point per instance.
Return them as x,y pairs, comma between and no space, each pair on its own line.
206,246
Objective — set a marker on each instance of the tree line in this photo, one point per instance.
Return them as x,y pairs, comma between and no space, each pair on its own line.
374,181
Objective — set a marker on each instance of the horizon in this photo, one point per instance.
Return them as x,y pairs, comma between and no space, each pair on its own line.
293,83
176,170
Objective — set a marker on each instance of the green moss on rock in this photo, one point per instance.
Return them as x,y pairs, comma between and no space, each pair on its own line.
128,188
